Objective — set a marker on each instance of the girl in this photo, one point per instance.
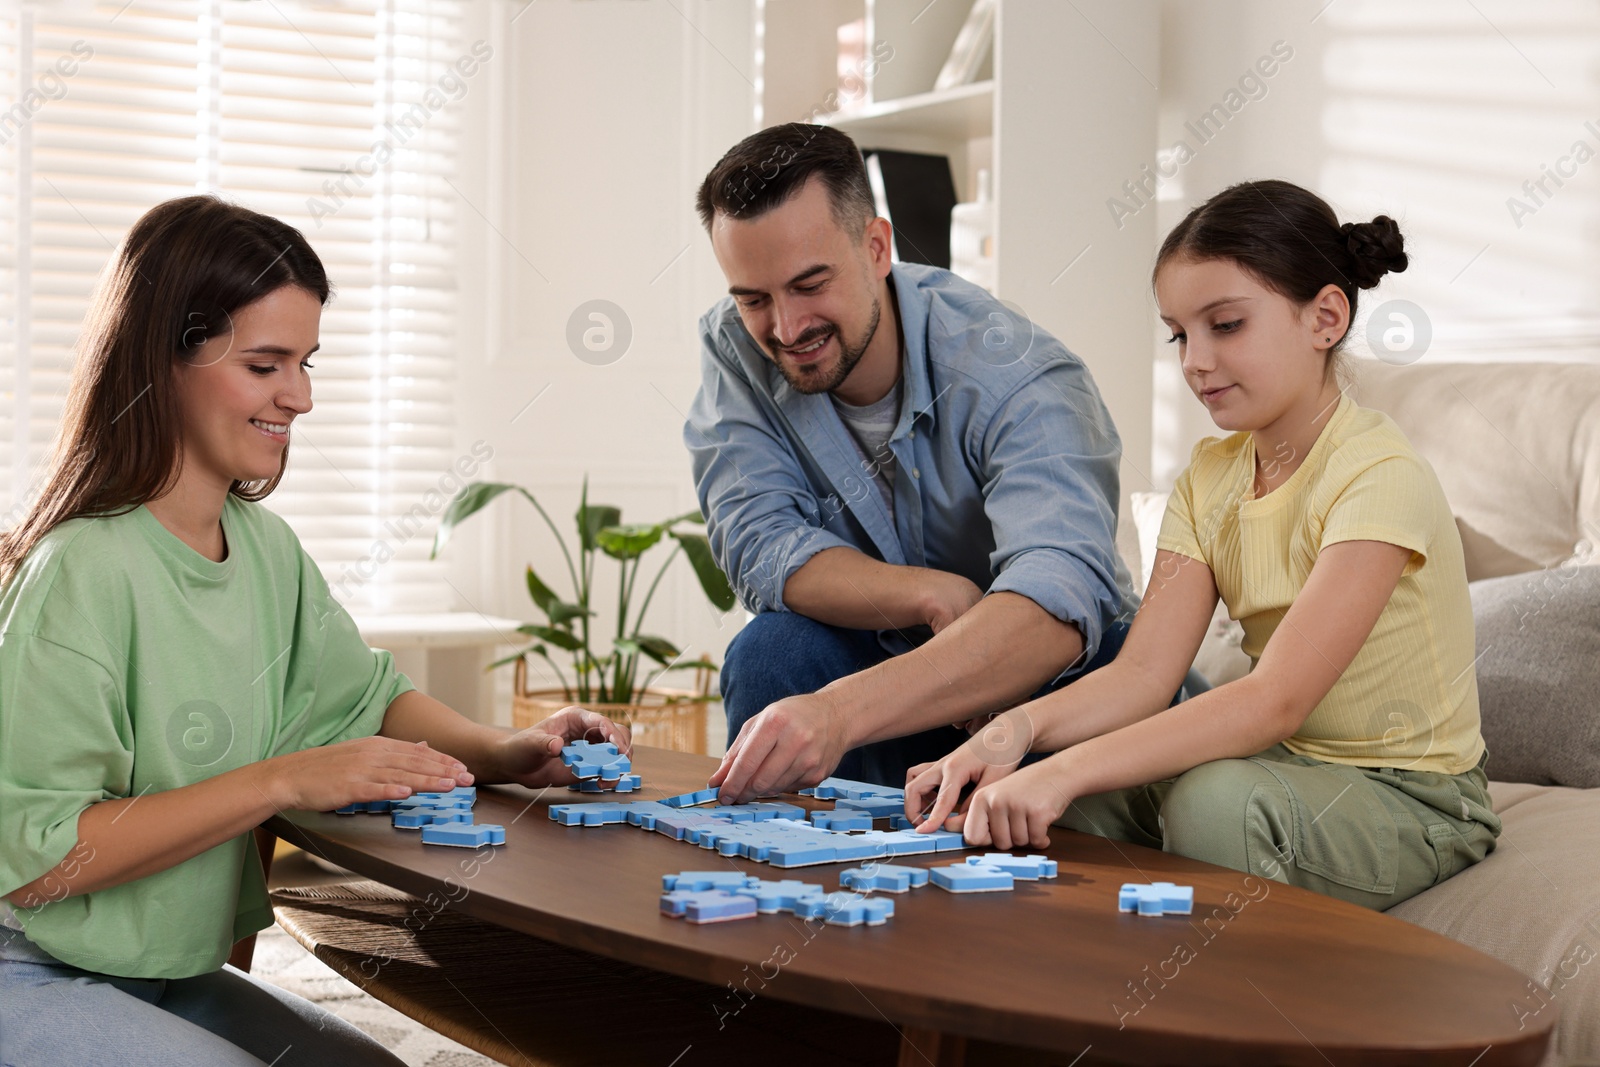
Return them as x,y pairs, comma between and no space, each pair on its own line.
173,671
1349,760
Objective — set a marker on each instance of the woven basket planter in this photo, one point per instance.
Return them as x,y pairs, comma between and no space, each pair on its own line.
664,718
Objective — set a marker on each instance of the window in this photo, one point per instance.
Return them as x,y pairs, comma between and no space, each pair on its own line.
336,116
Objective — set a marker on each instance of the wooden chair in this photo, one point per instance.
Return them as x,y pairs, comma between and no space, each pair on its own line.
533,1003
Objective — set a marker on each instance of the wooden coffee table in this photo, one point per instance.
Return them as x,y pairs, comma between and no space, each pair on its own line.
1261,973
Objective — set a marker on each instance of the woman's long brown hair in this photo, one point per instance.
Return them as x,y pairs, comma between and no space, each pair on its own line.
187,266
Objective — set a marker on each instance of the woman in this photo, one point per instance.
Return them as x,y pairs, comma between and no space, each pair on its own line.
1349,760
173,670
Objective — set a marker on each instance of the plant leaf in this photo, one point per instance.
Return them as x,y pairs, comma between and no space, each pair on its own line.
628,542
592,518
536,649
559,638
467,502
559,611
688,516
698,548
657,648
626,646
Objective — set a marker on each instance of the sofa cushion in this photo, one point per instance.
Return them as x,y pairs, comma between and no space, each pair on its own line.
1532,904
1539,675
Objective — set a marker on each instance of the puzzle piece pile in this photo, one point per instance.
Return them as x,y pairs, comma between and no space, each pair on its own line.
443,818
599,768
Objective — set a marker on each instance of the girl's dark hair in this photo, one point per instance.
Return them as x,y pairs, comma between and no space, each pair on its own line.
176,280
1289,239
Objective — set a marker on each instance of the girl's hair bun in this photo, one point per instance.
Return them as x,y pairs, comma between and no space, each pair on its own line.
1376,248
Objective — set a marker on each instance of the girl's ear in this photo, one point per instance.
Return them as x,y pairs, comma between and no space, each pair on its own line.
1327,316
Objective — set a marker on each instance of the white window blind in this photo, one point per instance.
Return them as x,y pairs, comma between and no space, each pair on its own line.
336,116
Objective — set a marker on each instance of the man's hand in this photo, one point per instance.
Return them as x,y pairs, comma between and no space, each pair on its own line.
946,597
532,756
793,743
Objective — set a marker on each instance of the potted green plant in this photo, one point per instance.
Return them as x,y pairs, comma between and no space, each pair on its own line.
618,680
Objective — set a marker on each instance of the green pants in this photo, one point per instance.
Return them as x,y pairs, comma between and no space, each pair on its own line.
1370,835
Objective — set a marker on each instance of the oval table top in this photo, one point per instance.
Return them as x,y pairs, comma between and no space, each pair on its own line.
1261,973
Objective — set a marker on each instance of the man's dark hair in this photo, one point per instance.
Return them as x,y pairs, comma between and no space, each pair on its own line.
766,169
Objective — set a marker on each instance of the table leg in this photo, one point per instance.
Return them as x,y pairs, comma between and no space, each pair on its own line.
931,1048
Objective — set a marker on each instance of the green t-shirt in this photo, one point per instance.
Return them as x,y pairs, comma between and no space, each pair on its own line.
130,664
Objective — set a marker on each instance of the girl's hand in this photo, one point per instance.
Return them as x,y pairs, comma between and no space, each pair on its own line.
369,768
990,755
531,757
1019,810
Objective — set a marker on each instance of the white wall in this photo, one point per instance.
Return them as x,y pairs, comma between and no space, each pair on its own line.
1432,111
612,114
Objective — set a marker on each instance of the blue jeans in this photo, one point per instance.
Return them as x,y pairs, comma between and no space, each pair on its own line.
780,654
53,1015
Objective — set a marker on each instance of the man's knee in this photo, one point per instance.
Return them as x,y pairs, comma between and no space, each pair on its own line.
1213,809
780,654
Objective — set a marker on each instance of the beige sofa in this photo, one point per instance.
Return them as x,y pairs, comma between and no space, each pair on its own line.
1517,449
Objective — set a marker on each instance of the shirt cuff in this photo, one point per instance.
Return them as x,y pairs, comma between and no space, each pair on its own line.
1059,586
778,558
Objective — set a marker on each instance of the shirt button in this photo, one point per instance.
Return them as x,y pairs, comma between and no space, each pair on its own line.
915,473
912,435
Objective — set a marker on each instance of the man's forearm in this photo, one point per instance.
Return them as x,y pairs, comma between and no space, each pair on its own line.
996,655
844,587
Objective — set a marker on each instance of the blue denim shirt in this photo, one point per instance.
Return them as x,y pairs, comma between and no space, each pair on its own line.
1007,461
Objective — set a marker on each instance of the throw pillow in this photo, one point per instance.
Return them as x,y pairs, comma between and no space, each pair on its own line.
1539,675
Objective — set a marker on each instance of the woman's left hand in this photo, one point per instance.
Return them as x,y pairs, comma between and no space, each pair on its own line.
532,758
1019,809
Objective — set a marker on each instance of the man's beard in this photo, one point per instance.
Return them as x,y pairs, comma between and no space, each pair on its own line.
811,378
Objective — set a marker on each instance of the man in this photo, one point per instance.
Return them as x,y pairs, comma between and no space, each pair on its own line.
914,490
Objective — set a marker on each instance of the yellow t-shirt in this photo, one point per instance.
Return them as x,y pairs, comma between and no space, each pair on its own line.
1410,697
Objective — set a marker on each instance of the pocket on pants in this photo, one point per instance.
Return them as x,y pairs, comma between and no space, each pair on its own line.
1342,832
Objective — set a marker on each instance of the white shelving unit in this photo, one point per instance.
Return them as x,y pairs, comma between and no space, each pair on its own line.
1064,112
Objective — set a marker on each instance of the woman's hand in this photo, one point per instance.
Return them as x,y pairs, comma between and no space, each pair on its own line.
369,768
986,758
532,756
1019,810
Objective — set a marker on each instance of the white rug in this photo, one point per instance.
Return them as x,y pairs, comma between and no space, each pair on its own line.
281,960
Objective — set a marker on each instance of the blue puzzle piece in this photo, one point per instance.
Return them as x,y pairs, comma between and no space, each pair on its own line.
679,823
1156,898
885,876
841,820
417,818
1024,868
460,796
628,783
802,852
876,807
604,813
373,807
786,895
758,812
834,788
464,836
709,906
602,760
971,878
696,881
689,800
853,909
900,822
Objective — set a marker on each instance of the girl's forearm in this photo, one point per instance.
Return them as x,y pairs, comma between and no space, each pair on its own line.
1108,699
1233,721
132,837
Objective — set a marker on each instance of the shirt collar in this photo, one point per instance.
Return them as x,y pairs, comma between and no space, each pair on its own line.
913,302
